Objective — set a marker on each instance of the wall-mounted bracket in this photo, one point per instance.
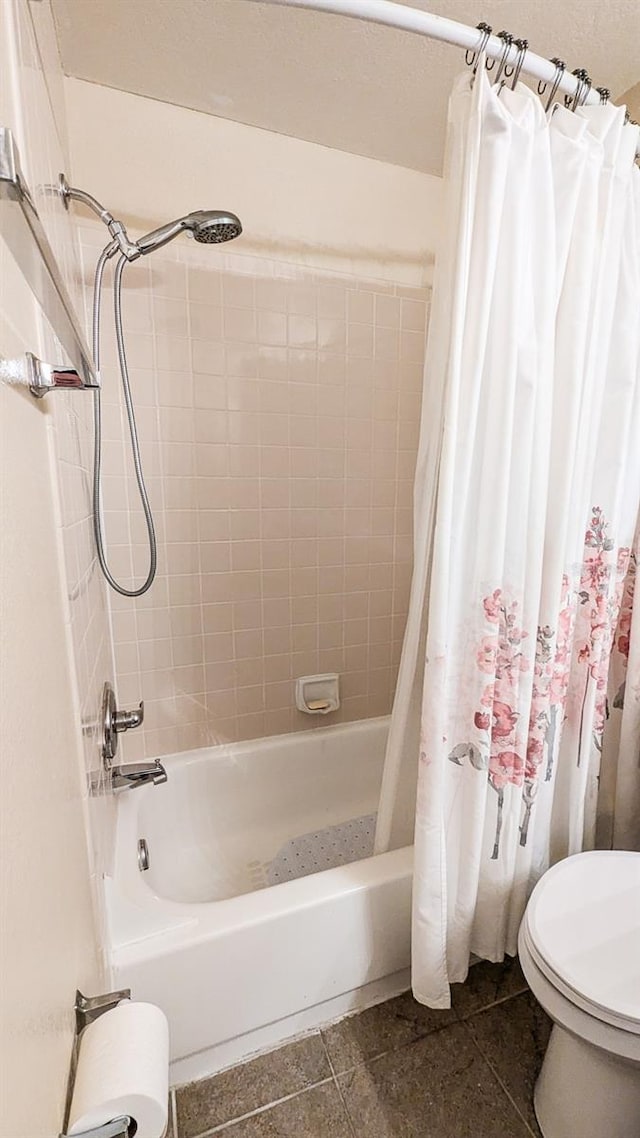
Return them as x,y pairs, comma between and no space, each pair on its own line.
52,377
117,1128
89,1008
24,234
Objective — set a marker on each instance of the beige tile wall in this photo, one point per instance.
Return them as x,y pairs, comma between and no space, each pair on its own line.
88,616
278,411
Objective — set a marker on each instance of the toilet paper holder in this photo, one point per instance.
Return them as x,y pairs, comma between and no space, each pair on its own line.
88,1009
117,1128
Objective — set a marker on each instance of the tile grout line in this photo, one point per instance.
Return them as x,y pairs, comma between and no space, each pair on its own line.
501,1084
493,1004
392,1050
174,1112
365,1062
347,1112
261,1109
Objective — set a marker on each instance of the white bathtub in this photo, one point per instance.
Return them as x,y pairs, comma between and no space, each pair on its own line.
238,962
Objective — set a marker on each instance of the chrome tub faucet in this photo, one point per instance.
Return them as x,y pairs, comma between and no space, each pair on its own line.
138,774
114,723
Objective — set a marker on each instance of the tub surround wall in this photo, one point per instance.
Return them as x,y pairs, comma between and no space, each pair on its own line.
49,941
278,409
278,384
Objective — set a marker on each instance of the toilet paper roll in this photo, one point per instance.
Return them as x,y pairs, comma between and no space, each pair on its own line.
123,1068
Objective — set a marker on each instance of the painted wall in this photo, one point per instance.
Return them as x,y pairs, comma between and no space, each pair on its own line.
49,938
35,108
150,161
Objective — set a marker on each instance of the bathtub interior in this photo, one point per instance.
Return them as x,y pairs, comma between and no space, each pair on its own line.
236,819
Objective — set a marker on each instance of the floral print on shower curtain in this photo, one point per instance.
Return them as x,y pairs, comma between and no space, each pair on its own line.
534,357
619,816
580,645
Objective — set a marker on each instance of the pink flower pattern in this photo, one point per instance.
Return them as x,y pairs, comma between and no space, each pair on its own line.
502,655
623,631
583,640
599,602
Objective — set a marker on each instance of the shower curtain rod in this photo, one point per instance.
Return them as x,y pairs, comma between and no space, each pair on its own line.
448,31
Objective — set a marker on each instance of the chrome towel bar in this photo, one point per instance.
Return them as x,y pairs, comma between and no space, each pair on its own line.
24,234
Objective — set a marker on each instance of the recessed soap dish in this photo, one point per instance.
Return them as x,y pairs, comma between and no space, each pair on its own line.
318,695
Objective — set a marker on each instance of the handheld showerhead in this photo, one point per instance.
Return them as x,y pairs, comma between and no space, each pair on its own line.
212,227
209,226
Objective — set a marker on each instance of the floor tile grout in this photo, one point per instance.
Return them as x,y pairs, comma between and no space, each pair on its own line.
338,1087
433,1031
309,1034
458,1018
174,1112
262,1109
390,1050
494,1004
501,1084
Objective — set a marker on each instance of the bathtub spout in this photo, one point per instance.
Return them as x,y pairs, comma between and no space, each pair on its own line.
138,774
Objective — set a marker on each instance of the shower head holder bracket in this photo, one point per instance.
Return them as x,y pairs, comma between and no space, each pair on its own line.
117,229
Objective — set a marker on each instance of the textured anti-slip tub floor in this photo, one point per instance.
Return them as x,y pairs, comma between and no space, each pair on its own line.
397,1070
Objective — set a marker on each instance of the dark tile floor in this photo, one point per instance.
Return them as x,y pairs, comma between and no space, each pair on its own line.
397,1070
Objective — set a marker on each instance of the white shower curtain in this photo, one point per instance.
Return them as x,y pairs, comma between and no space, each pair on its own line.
527,496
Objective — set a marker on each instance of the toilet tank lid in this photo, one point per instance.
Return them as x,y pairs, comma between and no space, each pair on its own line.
584,920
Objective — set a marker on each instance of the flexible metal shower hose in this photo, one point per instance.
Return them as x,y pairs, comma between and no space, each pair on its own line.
98,528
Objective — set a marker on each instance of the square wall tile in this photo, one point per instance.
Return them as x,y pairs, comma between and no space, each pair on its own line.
280,415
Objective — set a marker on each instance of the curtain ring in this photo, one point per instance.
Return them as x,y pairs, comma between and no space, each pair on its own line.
507,40
472,55
584,94
522,46
587,90
604,93
583,86
561,67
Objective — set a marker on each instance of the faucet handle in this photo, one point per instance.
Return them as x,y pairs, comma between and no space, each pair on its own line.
114,722
128,720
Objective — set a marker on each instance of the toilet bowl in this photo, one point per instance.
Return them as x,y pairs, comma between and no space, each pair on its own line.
579,947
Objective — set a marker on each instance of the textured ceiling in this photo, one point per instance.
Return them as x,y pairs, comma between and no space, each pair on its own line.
339,82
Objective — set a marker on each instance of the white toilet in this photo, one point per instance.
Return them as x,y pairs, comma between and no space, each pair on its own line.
579,947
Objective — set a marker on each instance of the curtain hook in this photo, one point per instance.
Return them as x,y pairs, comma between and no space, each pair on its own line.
522,46
561,67
472,55
584,94
507,40
583,86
